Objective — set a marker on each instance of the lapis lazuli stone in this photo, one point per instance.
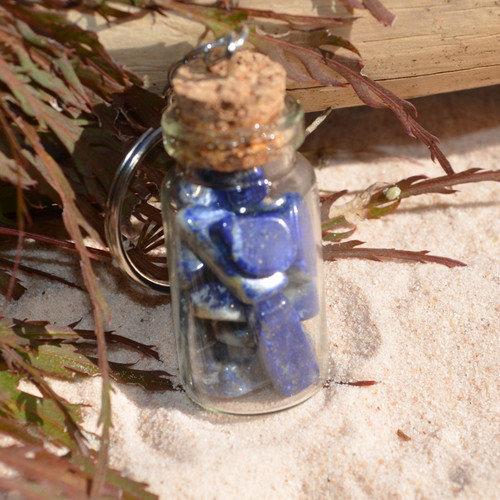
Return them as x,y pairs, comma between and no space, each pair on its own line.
307,251
194,194
284,349
293,209
249,188
248,270
215,301
242,189
195,224
233,333
304,299
258,245
190,266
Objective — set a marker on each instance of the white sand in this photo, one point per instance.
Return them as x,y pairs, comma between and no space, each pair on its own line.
429,335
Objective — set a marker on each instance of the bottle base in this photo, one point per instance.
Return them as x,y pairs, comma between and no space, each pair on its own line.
262,402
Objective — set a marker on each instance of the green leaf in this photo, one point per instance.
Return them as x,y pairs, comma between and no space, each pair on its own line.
333,236
46,79
375,212
45,475
129,489
10,171
61,353
61,361
17,430
233,17
41,414
63,64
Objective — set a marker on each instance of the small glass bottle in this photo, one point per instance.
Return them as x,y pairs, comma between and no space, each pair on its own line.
242,225
244,253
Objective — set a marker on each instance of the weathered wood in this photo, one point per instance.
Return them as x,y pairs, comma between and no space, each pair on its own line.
434,46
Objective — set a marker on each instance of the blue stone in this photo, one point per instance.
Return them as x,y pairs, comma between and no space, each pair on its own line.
195,194
241,190
284,349
195,226
258,245
190,266
293,209
249,187
304,299
233,334
228,372
215,301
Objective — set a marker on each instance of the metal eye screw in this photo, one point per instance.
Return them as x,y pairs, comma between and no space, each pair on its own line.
232,42
208,52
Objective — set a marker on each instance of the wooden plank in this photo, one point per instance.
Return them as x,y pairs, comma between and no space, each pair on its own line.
319,98
434,46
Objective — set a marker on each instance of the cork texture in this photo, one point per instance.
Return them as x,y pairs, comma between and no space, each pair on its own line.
242,91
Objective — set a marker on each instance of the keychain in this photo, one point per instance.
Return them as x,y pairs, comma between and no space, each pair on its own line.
242,226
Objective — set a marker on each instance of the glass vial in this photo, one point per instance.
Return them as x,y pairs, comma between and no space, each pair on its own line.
244,253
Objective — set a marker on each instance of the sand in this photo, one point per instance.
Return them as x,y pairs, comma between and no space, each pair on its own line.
429,336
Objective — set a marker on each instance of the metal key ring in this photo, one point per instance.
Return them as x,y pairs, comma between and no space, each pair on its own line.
114,206
145,144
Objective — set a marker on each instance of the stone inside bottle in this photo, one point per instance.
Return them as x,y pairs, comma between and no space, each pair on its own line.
245,252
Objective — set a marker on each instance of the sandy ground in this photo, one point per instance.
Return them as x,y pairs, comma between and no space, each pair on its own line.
430,427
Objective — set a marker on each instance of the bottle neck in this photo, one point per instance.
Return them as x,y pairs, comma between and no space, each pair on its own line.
199,148
271,171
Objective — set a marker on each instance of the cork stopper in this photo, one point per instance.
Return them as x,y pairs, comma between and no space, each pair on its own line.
233,102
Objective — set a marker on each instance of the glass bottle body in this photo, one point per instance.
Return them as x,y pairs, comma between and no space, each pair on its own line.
244,253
